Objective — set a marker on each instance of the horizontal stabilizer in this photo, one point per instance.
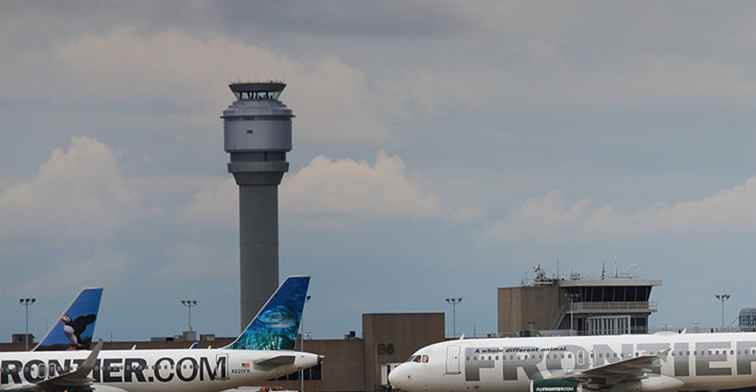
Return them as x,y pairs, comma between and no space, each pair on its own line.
279,360
74,380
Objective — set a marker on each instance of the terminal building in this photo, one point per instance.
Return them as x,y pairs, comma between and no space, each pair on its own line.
610,305
747,320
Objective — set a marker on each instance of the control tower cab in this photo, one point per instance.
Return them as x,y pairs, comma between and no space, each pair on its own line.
257,135
257,120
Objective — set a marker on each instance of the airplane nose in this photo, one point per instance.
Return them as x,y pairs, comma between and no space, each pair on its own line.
399,378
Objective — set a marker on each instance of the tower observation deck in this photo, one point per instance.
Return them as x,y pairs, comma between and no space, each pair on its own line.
257,135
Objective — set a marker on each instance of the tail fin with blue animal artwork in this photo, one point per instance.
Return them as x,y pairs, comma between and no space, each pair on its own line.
277,324
75,327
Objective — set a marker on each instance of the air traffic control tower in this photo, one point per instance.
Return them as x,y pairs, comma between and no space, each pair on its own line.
257,135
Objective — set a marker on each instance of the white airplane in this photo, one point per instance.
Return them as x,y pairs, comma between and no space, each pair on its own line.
623,363
262,352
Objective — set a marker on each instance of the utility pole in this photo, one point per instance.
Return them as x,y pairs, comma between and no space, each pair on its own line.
26,303
189,303
301,346
454,302
722,298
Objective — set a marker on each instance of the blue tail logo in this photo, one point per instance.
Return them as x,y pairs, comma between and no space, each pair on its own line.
277,324
75,327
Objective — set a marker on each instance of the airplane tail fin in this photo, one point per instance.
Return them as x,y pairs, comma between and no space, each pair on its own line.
74,328
276,325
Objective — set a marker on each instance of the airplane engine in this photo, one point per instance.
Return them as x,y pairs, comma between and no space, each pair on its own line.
650,384
555,385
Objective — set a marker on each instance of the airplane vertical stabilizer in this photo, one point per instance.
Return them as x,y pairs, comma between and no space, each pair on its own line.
277,324
75,327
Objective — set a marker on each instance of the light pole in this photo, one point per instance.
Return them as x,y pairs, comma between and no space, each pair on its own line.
301,346
26,303
572,297
454,302
189,303
722,298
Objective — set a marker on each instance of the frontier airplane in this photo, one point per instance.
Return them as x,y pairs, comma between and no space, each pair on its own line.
624,363
262,352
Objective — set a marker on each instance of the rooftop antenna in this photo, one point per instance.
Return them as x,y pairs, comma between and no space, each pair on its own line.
603,270
557,275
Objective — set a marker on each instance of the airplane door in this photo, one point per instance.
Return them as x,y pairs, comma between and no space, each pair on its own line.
452,360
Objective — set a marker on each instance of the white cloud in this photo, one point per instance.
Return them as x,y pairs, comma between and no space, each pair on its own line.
346,187
332,100
551,218
78,191
330,192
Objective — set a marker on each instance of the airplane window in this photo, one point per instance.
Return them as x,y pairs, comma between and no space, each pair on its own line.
569,356
497,358
732,352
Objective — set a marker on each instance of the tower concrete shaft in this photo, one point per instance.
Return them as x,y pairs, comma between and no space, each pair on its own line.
257,134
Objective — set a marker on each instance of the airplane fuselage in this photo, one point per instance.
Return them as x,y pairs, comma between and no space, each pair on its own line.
700,361
195,370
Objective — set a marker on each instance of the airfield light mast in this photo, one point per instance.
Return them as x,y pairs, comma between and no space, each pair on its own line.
722,298
26,303
454,301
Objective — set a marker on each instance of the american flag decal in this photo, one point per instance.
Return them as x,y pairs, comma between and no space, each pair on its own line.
246,365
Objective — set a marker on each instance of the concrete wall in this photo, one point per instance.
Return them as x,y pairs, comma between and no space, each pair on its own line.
519,306
393,337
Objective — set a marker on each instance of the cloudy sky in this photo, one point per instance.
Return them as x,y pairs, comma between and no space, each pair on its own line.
441,149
